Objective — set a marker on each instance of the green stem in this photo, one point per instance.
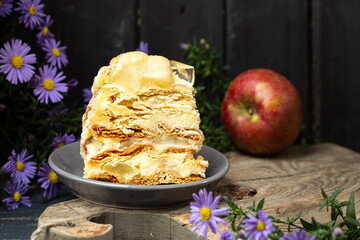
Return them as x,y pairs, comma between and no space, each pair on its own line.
282,222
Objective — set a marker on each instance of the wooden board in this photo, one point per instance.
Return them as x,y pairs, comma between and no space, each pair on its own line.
336,51
289,182
314,43
94,32
271,34
166,24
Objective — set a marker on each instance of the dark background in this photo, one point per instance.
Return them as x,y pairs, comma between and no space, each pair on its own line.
314,43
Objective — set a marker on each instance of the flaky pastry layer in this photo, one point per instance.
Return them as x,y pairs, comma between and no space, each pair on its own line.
140,166
160,178
141,125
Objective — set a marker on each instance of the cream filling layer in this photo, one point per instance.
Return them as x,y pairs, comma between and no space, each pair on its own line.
108,105
159,145
147,165
170,120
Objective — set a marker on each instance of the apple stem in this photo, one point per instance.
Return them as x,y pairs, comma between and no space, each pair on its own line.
251,111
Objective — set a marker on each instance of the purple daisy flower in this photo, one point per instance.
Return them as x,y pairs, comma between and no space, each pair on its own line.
73,82
62,140
19,166
87,94
49,181
183,46
297,234
241,234
338,232
49,85
15,61
45,33
204,214
17,191
227,236
143,47
32,13
55,54
258,228
2,107
5,7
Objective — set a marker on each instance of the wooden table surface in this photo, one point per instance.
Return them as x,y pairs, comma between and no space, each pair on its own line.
290,182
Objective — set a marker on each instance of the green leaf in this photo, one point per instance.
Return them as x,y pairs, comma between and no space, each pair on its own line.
252,208
345,203
200,88
351,221
350,210
323,193
296,217
239,227
229,202
260,204
276,220
233,225
322,206
315,223
354,234
288,222
333,213
336,193
308,226
330,224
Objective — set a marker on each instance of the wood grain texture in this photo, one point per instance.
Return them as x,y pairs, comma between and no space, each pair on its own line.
336,72
314,43
270,34
289,182
94,32
166,24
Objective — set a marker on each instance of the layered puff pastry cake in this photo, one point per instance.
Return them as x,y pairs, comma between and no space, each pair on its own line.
141,126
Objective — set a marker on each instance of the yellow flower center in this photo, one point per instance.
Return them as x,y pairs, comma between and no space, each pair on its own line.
53,178
45,31
17,61
205,213
0,3
49,84
17,196
19,166
260,226
60,144
32,10
56,52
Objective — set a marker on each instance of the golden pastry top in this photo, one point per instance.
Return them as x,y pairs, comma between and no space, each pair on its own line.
136,72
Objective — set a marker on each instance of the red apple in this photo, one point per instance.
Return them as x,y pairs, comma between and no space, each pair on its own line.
262,112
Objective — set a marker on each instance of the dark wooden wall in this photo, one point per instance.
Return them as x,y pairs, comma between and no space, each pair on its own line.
314,43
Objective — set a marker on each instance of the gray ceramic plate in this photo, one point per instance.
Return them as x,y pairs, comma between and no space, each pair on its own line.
68,165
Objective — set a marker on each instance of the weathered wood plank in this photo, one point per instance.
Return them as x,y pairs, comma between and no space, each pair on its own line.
94,32
289,182
166,24
20,223
270,34
336,71
314,43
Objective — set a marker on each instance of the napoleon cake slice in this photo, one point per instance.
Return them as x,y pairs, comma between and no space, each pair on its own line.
141,126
